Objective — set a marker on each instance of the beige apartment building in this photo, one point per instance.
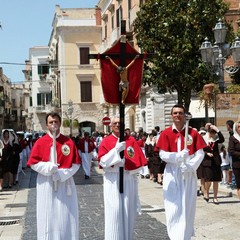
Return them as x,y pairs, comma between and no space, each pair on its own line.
153,108
77,88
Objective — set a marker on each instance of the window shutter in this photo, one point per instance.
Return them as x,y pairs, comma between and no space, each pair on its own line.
39,99
84,51
30,101
86,91
39,69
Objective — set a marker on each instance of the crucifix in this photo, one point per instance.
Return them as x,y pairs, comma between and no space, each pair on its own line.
117,76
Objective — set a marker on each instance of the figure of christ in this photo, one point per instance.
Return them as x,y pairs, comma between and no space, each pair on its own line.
123,71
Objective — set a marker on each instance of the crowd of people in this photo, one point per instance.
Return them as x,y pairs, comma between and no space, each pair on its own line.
14,152
175,158
221,163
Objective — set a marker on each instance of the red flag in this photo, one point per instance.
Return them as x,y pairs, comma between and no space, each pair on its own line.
110,77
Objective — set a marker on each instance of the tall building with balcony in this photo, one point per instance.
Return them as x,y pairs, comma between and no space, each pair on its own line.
40,88
149,112
153,108
75,34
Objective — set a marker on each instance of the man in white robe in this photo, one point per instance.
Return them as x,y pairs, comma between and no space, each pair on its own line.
180,179
120,208
57,204
86,147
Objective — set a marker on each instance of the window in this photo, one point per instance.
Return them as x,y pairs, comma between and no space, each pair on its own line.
44,98
43,69
105,30
14,115
129,5
112,21
30,101
86,91
119,16
14,103
84,51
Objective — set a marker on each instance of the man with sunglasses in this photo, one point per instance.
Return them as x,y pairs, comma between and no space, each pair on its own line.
120,208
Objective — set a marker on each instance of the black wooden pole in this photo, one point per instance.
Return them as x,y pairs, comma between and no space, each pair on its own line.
122,106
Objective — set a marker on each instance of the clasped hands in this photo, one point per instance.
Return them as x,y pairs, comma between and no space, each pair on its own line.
54,171
182,156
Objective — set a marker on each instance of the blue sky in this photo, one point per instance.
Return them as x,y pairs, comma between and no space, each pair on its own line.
26,24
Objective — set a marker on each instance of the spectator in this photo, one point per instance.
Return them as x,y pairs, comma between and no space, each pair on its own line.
211,171
234,150
7,159
225,166
229,126
149,152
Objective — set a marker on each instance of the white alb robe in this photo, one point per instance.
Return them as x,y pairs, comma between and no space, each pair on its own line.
57,211
86,159
120,208
180,193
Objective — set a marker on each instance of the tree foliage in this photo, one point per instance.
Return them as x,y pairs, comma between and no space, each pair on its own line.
174,30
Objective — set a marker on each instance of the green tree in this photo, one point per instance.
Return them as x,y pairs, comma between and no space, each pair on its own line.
174,30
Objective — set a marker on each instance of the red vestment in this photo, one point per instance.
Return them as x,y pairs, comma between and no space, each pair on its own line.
81,145
67,153
168,140
141,143
134,157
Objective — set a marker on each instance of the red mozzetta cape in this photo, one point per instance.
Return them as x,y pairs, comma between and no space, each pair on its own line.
81,145
141,143
168,140
67,153
133,154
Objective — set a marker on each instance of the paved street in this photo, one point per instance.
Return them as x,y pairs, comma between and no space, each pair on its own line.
91,211
216,222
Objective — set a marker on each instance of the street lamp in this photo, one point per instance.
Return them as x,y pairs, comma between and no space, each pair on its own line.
70,112
216,55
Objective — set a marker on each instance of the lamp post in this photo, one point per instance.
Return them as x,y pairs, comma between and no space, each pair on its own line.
70,112
217,54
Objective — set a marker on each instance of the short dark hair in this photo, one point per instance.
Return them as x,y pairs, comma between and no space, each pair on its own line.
53,114
178,106
157,128
230,123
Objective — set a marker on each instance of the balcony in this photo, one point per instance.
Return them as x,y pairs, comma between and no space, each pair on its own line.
104,45
115,35
133,15
43,108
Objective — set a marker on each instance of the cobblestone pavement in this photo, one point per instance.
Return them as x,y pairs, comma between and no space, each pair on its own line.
213,222
91,212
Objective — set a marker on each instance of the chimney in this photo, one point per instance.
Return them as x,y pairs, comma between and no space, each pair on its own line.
98,16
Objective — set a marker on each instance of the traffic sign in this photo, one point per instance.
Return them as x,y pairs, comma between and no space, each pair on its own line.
106,121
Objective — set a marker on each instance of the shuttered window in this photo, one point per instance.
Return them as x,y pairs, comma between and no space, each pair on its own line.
86,91
44,98
84,51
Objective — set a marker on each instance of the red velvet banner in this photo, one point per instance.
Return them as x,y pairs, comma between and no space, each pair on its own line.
110,77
